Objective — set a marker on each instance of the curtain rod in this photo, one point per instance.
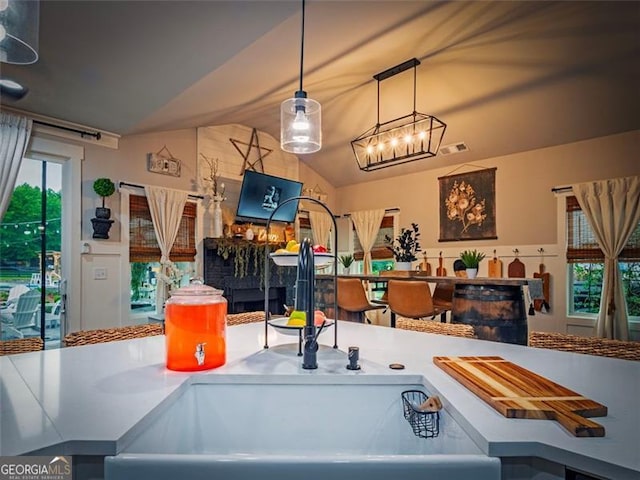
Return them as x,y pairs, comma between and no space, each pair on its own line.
386,210
96,135
307,213
562,189
127,184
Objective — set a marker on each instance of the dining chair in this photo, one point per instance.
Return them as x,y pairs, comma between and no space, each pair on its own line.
24,316
353,301
20,345
90,337
603,347
384,299
411,299
429,326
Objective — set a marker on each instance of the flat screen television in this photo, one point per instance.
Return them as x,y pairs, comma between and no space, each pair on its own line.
261,194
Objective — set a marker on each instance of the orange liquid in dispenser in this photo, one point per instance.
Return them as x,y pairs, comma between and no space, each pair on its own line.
195,336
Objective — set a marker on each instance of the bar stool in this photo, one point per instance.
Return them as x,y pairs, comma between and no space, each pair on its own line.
384,300
411,299
443,299
353,301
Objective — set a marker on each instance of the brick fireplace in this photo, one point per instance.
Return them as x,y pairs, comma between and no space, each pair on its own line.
246,293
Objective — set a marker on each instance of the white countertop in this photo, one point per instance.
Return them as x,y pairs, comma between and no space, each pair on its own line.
84,400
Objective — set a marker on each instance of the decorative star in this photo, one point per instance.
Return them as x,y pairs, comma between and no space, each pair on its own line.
253,142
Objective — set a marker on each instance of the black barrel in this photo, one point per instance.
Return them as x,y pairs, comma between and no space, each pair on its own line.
496,312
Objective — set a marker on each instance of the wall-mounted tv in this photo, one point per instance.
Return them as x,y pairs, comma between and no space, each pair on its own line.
261,194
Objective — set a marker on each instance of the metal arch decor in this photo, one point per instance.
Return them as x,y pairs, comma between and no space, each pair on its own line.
468,206
253,142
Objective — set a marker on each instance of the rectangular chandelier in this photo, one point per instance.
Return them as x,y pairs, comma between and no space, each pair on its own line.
401,140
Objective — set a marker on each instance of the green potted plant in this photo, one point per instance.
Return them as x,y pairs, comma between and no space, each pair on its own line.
104,187
405,246
472,259
346,261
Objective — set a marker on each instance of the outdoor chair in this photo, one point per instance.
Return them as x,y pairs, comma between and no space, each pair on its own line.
52,317
24,316
12,299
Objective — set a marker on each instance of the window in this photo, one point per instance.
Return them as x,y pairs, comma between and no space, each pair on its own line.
144,252
586,263
379,251
24,230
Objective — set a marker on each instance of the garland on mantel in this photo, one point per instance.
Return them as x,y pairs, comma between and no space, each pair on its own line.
243,252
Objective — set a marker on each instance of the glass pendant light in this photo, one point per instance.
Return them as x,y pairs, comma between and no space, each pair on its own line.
300,117
19,22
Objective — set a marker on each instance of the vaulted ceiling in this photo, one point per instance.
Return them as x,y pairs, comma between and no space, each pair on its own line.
504,76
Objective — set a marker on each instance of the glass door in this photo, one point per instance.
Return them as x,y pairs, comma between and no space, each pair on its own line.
30,255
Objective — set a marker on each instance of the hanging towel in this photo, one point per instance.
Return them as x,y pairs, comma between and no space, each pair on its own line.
535,288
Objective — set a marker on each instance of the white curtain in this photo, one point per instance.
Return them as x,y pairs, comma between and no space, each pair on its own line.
367,224
321,224
166,208
15,132
612,208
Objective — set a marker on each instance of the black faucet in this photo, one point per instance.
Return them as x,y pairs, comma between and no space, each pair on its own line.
305,301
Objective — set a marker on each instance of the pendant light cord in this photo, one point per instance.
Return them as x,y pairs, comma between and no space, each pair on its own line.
302,45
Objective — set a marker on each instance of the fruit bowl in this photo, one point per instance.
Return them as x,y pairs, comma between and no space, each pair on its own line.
280,324
290,259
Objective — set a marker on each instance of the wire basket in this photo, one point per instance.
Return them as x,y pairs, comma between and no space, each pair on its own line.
423,424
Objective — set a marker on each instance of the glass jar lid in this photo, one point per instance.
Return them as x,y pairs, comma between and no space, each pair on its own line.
196,291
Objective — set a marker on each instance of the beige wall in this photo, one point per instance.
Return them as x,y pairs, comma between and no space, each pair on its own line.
129,164
525,205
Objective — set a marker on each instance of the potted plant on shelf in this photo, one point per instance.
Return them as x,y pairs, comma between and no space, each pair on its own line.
346,261
103,187
405,246
472,259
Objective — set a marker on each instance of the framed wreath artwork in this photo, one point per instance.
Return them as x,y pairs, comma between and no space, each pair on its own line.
468,206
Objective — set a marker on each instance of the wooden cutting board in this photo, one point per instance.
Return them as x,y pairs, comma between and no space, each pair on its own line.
495,268
441,271
426,266
516,269
516,392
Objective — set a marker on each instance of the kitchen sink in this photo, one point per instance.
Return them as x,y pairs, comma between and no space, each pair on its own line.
295,426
